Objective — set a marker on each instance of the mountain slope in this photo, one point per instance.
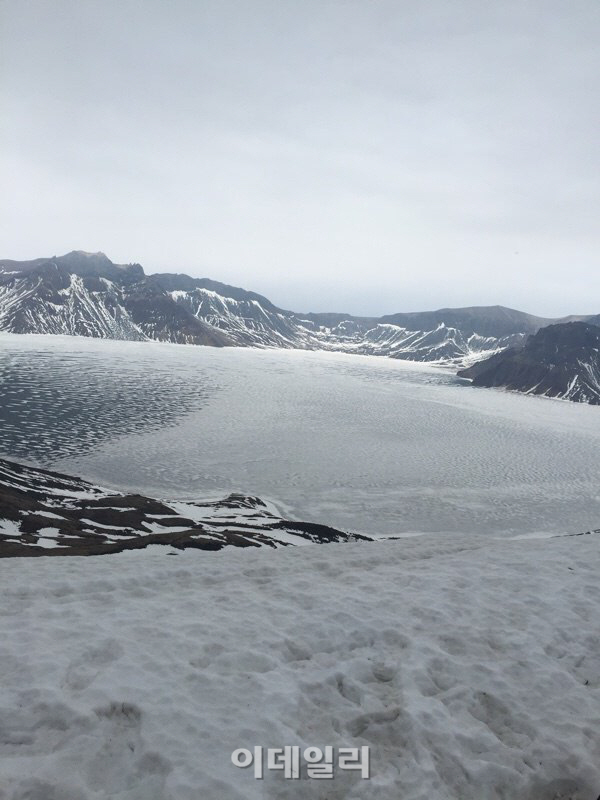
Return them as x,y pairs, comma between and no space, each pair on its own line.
440,344
485,321
84,295
246,318
459,335
558,361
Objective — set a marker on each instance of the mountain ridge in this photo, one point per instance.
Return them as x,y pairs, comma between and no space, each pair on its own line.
83,293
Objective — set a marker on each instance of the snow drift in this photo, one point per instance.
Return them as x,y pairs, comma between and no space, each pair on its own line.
470,668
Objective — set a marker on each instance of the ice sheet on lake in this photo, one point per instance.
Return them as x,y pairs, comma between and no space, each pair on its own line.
356,442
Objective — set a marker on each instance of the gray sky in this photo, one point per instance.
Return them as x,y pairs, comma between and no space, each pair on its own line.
369,156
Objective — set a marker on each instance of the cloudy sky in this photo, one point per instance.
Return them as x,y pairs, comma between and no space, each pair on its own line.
367,156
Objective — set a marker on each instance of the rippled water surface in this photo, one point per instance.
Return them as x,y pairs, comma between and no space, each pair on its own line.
362,443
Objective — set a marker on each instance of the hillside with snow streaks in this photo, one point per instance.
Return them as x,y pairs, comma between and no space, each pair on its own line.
93,297
560,361
443,344
245,322
27,305
248,322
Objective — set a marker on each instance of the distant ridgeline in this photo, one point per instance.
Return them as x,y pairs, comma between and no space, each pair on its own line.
86,294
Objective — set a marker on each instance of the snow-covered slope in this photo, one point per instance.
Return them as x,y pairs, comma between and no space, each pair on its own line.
470,668
44,513
247,322
62,303
448,335
558,361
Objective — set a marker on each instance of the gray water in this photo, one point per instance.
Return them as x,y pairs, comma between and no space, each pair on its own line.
362,443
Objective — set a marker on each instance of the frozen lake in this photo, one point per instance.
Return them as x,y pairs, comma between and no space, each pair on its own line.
362,443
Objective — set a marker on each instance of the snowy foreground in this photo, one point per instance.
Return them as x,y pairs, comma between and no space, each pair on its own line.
470,667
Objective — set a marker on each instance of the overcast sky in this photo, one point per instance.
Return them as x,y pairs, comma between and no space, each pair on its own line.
367,156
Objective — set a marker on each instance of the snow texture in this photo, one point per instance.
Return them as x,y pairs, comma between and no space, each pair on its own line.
470,668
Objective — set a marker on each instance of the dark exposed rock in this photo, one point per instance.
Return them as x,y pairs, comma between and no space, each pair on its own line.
43,513
558,361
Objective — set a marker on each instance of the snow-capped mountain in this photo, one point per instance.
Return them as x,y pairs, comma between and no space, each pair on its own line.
557,361
87,294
